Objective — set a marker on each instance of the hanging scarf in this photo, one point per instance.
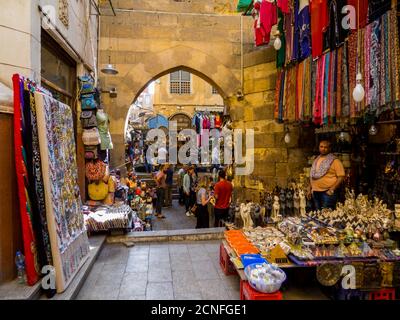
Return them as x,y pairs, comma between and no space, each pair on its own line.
326,88
375,63
323,167
306,113
338,85
367,51
352,44
345,83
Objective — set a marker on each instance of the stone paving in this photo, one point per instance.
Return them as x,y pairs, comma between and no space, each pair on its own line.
160,271
170,271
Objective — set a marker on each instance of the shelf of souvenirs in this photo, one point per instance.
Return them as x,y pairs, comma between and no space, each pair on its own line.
359,229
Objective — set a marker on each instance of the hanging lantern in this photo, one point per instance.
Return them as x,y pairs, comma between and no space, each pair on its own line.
277,42
358,92
287,137
342,136
373,130
109,69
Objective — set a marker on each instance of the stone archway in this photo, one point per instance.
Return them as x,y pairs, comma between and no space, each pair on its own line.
150,68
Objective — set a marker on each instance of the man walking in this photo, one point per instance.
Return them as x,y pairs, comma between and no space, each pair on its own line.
169,182
181,174
223,195
188,189
161,186
327,174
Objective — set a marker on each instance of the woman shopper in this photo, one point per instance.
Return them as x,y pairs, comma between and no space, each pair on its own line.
161,186
202,199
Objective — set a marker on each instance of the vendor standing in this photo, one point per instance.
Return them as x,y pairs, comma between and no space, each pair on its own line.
327,174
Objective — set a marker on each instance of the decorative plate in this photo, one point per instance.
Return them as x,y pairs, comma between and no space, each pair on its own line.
328,274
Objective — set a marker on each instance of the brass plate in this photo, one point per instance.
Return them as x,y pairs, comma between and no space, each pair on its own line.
328,274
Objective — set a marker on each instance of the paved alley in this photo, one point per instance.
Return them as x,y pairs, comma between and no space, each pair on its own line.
169,271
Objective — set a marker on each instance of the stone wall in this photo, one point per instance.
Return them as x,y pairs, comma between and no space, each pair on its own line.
275,162
148,39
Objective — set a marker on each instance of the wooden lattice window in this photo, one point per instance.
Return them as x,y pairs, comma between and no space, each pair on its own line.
180,82
63,12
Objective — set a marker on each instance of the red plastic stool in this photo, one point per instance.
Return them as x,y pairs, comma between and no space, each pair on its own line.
226,264
383,294
248,293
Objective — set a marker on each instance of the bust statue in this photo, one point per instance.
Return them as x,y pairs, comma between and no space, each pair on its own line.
282,200
275,209
302,203
296,203
289,202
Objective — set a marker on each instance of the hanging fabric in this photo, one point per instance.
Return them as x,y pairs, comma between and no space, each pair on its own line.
280,54
29,241
304,29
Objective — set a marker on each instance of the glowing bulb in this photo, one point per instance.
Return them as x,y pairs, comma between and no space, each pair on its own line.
373,130
287,138
342,136
358,92
277,43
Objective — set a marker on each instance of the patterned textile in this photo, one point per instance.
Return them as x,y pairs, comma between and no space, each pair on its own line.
304,29
374,76
323,167
306,114
338,84
352,60
36,192
345,83
25,209
69,242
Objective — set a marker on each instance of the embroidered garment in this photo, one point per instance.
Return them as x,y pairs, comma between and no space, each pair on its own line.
317,173
304,29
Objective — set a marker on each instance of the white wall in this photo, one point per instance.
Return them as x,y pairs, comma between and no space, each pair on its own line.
20,27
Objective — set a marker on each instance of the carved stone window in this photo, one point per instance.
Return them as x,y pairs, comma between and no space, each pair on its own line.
63,12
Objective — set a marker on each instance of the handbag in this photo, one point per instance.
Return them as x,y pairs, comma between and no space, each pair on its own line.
88,119
91,137
98,191
194,209
88,102
86,84
91,152
95,170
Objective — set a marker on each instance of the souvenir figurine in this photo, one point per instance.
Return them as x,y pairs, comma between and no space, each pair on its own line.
282,202
268,204
275,209
296,203
302,199
289,202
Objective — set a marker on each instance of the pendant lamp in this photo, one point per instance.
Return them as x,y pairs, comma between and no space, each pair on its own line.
358,91
109,69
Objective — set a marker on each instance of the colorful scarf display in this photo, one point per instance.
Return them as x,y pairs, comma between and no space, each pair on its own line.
321,90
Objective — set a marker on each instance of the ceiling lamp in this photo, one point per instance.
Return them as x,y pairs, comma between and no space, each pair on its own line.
109,69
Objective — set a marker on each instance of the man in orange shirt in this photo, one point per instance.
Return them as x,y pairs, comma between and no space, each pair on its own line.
327,174
223,195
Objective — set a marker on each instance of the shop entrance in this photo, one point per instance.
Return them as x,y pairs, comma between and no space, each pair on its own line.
192,101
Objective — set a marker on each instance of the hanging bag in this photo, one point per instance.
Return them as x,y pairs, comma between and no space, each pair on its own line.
91,137
98,191
88,119
91,152
88,102
86,84
95,170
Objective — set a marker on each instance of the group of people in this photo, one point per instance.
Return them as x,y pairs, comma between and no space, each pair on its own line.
200,195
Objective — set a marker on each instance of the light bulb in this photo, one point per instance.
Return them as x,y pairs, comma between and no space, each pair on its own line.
277,43
342,136
358,92
287,138
373,130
